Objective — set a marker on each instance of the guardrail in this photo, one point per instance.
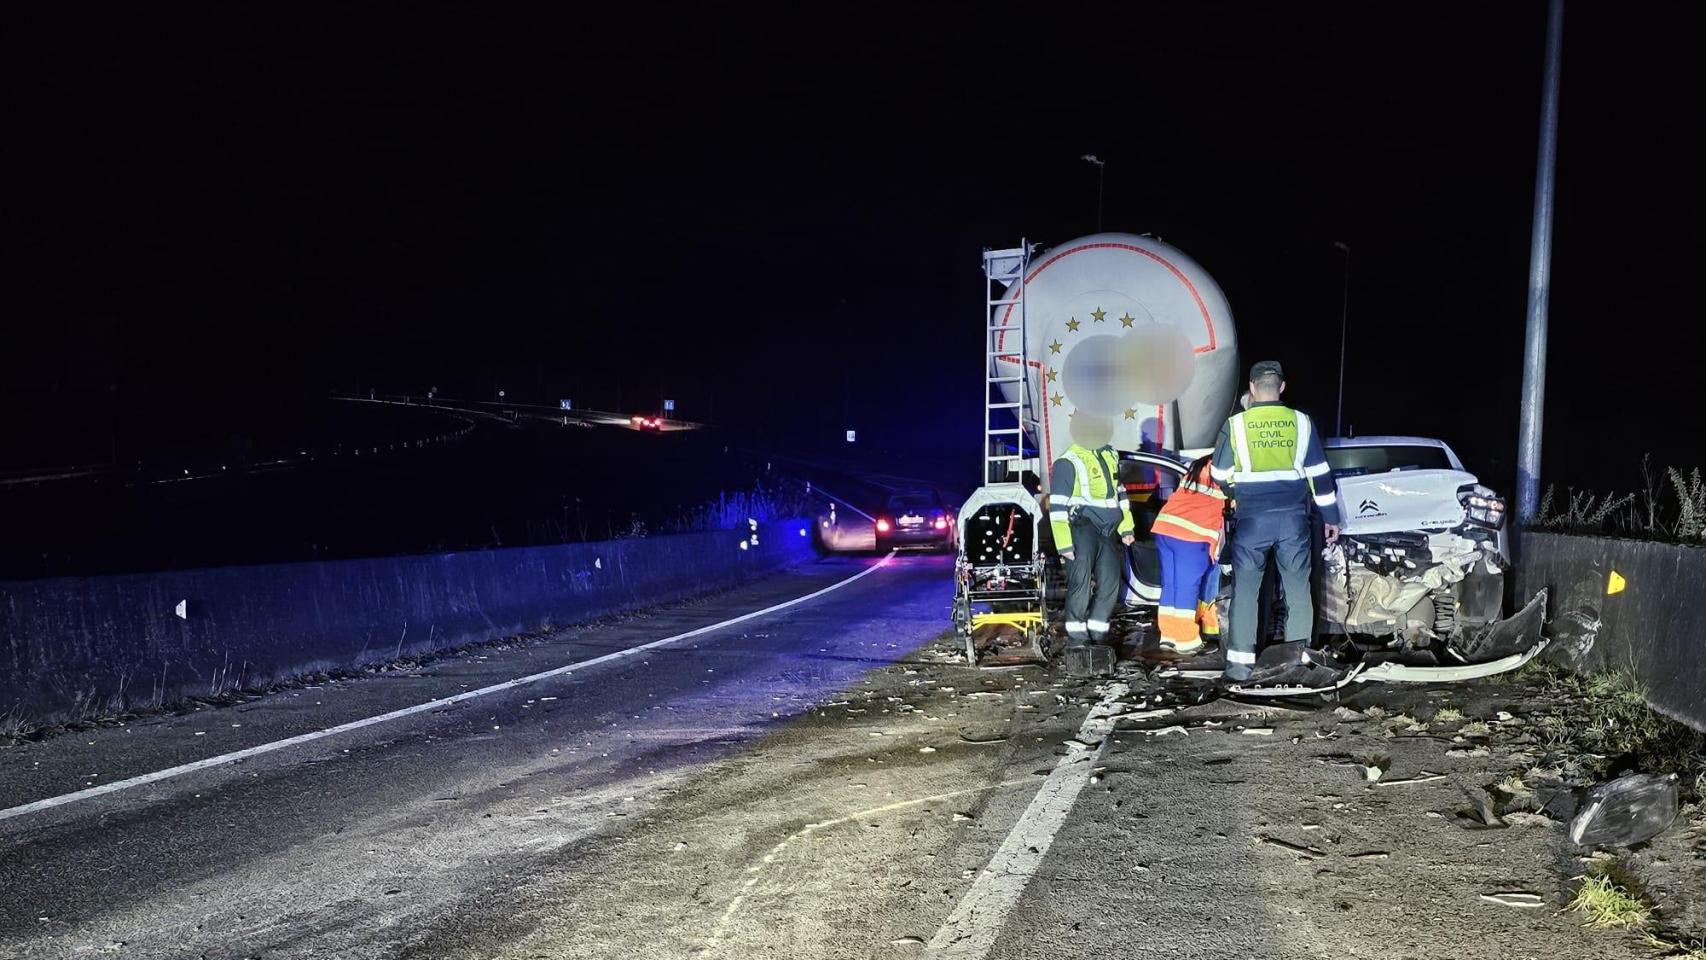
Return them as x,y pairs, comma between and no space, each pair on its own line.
75,648
1627,605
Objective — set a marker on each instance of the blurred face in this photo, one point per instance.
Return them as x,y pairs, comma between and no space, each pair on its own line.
1091,430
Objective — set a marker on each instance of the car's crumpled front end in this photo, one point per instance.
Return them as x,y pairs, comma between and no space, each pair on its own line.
1413,590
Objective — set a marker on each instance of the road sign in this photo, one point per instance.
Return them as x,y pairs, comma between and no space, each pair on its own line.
669,406
565,404
850,435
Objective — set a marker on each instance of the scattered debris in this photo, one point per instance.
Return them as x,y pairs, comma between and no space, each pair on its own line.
906,941
983,738
1371,855
1348,715
1515,898
1626,811
1426,776
1296,848
1164,731
680,846
1147,714
926,749
1258,731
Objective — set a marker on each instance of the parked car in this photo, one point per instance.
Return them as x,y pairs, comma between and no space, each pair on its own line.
915,519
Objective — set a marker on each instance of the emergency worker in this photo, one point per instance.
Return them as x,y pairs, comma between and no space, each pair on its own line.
1188,533
1091,521
1270,457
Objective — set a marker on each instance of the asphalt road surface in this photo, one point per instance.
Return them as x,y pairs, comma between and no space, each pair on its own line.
825,780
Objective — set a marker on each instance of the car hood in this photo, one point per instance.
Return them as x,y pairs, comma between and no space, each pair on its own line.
1402,500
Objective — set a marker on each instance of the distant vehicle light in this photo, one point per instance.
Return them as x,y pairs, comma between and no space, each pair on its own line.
882,525
940,524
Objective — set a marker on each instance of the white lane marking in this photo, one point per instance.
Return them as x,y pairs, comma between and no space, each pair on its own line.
971,929
722,928
565,670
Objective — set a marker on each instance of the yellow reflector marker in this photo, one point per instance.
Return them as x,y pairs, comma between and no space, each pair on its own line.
1616,584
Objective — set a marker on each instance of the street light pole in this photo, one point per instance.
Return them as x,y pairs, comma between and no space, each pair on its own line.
1539,277
1344,322
1101,169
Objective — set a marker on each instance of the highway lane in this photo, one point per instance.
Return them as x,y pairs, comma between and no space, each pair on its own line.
331,847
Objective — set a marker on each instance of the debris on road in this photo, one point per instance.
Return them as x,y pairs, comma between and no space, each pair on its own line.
1626,811
1515,898
1426,776
1297,848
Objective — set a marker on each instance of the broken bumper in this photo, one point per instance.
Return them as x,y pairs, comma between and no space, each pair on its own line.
1291,669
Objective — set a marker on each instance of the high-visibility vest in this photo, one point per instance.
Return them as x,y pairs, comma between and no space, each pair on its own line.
1095,487
1276,461
1195,512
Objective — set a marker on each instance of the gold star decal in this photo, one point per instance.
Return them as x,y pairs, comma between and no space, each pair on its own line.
1054,347
1131,414
1126,319
1056,399
1072,324
1098,313
1052,374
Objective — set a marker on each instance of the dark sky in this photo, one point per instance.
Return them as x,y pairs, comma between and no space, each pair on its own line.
770,212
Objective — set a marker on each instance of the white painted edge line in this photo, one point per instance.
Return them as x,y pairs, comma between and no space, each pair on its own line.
970,931
244,754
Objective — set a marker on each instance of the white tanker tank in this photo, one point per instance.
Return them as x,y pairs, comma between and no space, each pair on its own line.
1129,331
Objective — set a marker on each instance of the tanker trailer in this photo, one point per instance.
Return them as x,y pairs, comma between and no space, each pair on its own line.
1122,330
1131,330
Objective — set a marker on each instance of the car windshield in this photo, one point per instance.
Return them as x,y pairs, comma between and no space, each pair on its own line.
913,504
1355,461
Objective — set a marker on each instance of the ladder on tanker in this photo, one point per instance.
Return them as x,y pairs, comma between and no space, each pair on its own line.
1009,409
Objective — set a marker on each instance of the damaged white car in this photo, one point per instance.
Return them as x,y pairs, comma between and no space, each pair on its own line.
1414,589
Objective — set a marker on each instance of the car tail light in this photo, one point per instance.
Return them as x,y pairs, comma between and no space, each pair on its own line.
941,523
882,524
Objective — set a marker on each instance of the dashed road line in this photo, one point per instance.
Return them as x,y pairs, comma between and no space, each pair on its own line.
970,931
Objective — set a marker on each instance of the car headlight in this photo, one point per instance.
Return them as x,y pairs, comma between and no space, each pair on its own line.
1482,506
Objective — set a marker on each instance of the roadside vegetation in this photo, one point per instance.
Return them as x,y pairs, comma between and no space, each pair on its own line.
1670,506
1600,723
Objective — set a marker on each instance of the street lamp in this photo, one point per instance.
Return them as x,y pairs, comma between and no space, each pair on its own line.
1344,321
1101,168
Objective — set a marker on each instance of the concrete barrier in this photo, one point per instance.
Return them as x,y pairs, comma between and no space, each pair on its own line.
1649,600
84,646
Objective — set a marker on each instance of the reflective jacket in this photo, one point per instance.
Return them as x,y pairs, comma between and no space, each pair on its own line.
1085,484
1195,512
1271,457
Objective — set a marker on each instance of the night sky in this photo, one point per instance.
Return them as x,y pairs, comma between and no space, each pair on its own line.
773,214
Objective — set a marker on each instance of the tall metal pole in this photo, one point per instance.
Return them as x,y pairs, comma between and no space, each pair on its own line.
1539,277
1344,322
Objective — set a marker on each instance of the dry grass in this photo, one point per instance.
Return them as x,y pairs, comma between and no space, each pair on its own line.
1611,900
1448,715
1674,511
